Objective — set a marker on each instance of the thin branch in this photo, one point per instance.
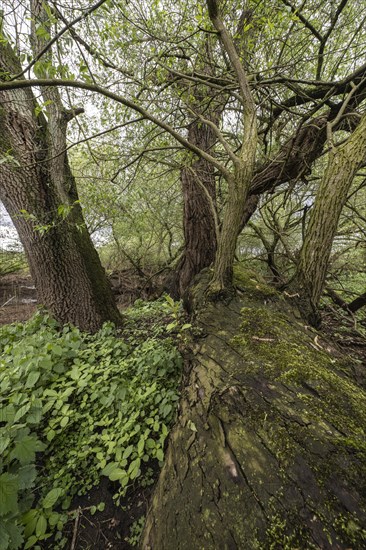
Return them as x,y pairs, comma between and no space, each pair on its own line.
17,84
57,36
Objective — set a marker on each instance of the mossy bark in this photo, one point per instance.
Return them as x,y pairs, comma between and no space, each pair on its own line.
331,197
269,448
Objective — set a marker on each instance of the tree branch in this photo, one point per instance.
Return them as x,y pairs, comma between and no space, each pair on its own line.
17,84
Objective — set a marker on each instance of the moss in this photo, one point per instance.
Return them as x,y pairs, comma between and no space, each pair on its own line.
353,532
252,283
282,536
275,345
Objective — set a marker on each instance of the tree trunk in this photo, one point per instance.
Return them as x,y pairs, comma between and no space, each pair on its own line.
268,451
43,204
343,164
199,220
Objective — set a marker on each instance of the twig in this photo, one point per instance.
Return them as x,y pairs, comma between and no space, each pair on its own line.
8,301
75,532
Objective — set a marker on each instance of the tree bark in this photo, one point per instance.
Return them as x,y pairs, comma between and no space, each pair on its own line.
331,196
200,219
41,197
265,453
240,178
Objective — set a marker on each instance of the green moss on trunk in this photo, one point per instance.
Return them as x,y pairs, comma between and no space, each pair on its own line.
269,449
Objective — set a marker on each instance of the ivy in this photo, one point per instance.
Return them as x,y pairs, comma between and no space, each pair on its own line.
75,407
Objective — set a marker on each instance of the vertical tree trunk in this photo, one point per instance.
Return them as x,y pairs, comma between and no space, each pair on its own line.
41,198
199,200
243,164
238,189
332,194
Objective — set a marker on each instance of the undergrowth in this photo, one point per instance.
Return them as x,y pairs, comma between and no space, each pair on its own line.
75,407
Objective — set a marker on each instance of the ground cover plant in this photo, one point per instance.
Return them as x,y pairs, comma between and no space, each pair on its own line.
76,408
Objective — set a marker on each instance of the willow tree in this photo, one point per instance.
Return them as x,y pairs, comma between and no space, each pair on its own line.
343,162
38,190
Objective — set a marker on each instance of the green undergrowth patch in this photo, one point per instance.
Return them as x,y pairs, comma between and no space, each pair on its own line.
75,407
11,262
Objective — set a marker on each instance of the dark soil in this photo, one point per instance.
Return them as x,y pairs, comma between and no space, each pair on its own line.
110,529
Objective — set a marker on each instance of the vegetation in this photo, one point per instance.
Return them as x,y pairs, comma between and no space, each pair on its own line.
10,262
215,151
77,407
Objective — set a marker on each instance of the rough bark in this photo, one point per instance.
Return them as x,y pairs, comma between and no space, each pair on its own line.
268,451
200,219
70,281
331,196
199,202
243,165
296,157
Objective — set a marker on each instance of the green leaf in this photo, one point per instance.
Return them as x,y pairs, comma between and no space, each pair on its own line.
150,443
128,451
41,526
57,350
117,474
22,411
50,435
15,534
52,497
8,493
31,542
75,373
135,464
35,416
54,518
166,409
4,537
32,379
140,445
7,413
4,443
27,474
30,522
160,455
109,468
25,449
64,421
101,507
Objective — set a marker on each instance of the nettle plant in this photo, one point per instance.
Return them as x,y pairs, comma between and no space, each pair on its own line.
75,407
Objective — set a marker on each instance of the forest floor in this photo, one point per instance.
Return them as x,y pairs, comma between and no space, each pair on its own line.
118,527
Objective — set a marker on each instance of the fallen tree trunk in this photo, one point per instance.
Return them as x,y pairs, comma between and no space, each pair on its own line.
269,448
